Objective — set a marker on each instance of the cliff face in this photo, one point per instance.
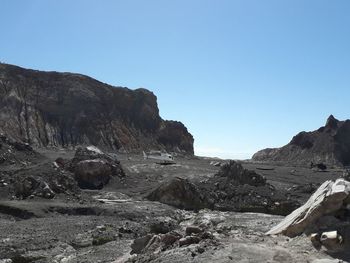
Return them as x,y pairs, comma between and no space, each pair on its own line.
329,144
65,109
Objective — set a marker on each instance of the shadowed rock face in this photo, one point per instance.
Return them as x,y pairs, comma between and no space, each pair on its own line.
64,109
329,144
233,188
180,193
14,152
93,168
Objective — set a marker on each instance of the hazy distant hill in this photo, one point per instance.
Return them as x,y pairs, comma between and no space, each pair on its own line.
63,109
329,144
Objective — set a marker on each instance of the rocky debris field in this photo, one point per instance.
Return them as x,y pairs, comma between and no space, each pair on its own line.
16,153
232,188
86,205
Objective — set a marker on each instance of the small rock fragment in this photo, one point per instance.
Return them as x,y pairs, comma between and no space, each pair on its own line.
193,230
189,240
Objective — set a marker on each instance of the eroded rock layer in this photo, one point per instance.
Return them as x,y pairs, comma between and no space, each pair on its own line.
65,109
328,145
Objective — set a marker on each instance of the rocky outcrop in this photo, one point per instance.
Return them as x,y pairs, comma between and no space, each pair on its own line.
180,193
233,188
42,180
93,168
324,218
16,152
328,199
329,145
32,186
174,135
65,109
93,174
236,174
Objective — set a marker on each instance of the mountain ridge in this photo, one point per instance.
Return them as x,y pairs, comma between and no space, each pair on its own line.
50,108
330,144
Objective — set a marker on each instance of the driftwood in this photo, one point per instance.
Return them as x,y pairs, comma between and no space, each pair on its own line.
328,198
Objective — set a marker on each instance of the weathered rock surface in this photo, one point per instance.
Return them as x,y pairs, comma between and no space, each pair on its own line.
233,188
42,180
100,225
64,109
329,198
93,168
236,174
180,193
225,237
93,174
16,152
33,186
88,153
329,145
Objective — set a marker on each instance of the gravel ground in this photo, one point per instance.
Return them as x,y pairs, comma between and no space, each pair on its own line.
101,225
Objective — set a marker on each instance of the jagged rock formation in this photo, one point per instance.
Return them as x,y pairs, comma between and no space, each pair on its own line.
180,193
235,174
15,152
324,217
43,180
233,188
329,144
65,109
328,198
93,168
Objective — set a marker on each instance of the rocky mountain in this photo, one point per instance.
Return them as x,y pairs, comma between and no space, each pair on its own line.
65,109
329,144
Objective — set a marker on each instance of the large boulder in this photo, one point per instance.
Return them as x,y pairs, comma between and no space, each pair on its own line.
93,174
90,153
233,188
33,186
329,198
93,168
236,174
44,180
180,193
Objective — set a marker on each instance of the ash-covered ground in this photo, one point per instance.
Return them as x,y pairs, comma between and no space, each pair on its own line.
205,215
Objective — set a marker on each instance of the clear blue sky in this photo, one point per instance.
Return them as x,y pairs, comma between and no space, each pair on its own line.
242,75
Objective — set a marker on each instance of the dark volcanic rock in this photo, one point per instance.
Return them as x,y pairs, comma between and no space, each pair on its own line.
63,109
33,186
233,188
329,145
16,152
174,134
237,189
162,225
42,180
180,193
93,174
236,174
93,168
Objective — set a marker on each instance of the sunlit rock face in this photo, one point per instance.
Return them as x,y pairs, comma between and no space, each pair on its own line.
329,144
64,109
